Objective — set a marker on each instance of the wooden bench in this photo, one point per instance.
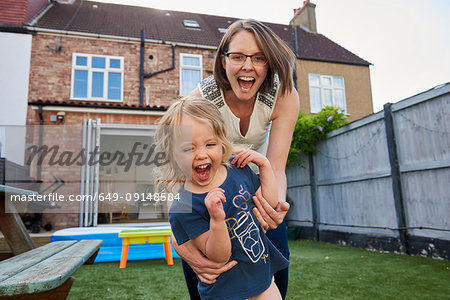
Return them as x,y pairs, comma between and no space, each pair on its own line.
45,272
140,236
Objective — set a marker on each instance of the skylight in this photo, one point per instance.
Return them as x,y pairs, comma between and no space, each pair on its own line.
222,30
191,24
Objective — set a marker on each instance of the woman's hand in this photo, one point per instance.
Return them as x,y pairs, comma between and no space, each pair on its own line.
206,270
268,217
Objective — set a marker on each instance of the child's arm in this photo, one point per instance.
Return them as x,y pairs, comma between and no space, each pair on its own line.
268,188
215,243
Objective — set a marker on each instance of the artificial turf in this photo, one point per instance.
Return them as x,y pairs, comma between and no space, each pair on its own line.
317,271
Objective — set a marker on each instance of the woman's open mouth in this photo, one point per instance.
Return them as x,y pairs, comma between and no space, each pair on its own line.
203,172
246,83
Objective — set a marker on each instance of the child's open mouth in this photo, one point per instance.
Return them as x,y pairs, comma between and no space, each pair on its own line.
203,172
246,83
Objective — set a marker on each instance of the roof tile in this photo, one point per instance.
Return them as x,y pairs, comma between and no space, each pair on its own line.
163,25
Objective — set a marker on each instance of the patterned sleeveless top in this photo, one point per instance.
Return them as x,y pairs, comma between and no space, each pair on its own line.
257,136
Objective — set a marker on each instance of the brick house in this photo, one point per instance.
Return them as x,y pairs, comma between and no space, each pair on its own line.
101,75
328,74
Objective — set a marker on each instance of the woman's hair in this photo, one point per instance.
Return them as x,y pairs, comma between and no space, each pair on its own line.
280,58
202,110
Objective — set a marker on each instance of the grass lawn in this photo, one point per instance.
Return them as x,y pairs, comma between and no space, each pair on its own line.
317,271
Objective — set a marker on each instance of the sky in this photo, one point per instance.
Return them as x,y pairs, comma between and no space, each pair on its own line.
406,41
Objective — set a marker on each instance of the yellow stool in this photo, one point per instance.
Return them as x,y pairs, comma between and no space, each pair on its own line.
140,236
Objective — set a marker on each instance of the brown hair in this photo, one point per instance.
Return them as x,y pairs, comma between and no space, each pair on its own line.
279,56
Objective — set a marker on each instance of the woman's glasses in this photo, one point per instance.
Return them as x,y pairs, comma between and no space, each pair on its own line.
237,58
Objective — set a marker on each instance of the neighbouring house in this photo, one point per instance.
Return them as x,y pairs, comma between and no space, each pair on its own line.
100,77
328,74
15,55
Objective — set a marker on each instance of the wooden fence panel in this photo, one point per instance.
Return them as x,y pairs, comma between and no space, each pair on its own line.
422,131
355,190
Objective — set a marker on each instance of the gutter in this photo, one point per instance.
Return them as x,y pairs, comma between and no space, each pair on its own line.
14,29
335,61
95,108
113,37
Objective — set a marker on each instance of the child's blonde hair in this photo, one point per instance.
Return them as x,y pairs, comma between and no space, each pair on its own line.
202,110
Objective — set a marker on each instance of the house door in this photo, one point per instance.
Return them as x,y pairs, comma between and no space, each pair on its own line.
121,175
90,173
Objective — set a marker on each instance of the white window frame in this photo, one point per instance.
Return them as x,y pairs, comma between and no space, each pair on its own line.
187,67
323,87
91,70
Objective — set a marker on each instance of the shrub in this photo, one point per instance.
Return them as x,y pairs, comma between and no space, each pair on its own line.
310,129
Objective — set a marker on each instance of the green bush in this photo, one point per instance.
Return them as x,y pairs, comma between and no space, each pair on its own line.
310,129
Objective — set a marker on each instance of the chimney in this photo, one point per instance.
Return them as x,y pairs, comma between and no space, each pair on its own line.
305,16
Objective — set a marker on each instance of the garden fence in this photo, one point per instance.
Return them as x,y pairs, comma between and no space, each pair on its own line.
381,182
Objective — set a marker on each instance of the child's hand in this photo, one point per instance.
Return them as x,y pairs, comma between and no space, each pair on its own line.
243,157
213,202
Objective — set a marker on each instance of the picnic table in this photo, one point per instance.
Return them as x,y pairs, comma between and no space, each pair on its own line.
38,273
12,227
46,271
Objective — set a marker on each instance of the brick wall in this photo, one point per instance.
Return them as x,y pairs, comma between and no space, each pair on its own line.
50,80
50,77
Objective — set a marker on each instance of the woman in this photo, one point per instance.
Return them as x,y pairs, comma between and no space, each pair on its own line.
252,87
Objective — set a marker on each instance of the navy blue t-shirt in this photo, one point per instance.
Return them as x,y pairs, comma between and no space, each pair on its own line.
257,258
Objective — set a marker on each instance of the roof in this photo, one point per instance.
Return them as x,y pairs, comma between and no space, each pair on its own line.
164,25
315,46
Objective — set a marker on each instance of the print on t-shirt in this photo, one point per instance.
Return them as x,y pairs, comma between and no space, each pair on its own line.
243,227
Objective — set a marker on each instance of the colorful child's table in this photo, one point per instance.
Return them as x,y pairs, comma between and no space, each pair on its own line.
140,236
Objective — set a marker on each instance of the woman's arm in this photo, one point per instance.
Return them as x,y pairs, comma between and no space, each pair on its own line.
206,270
269,217
215,243
284,118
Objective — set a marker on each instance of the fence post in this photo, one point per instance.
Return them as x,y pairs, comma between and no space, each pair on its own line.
314,204
396,177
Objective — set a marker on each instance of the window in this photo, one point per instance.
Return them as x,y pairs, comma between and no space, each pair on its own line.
191,24
97,77
190,72
326,90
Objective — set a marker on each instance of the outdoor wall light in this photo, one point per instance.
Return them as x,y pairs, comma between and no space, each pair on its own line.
60,116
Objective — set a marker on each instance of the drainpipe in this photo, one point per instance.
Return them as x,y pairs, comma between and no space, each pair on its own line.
294,32
148,75
41,133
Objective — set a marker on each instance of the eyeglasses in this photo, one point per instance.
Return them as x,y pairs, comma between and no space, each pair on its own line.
237,58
